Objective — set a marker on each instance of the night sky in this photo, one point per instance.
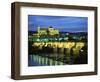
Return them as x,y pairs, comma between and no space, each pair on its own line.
61,23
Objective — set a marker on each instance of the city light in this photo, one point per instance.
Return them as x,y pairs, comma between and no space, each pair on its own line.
54,48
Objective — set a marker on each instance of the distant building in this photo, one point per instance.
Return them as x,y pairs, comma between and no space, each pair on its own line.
42,31
47,31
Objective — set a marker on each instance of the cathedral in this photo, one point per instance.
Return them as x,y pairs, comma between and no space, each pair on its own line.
47,31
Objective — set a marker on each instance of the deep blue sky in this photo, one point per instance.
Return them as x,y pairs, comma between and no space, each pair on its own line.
62,23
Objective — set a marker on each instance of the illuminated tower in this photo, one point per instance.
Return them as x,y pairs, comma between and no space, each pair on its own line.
38,29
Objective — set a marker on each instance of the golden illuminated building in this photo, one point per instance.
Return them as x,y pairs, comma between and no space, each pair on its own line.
49,31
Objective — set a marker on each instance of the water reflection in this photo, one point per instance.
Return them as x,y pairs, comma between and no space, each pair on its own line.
48,55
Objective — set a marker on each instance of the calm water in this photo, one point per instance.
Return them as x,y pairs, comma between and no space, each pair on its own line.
37,60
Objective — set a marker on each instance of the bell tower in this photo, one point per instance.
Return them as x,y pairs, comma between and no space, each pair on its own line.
38,29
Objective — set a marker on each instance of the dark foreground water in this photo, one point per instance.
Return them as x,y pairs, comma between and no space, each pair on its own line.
37,60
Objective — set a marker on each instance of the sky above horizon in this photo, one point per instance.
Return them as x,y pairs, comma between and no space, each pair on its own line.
61,23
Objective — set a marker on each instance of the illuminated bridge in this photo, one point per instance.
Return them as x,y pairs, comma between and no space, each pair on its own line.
57,53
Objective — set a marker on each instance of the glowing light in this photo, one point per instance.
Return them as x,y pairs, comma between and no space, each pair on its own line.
81,50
